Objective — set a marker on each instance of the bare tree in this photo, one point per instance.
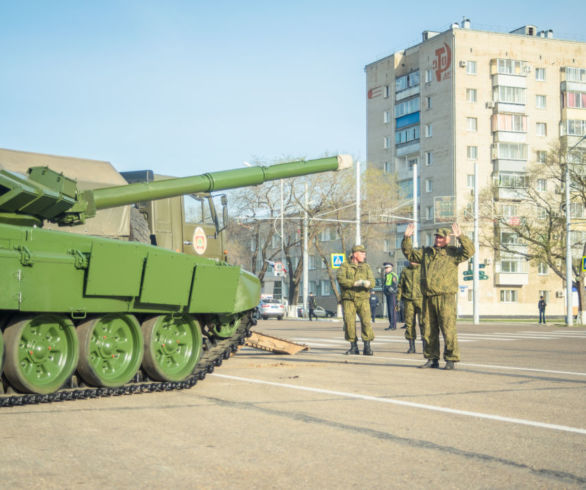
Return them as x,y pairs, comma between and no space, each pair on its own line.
525,215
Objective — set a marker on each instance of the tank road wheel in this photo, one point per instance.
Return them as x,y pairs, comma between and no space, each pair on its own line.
111,349
225,326
172,347
41,352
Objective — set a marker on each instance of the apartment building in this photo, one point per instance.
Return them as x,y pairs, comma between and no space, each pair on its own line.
464,101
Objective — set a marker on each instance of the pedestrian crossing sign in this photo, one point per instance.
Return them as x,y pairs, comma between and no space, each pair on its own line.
584,264
337,260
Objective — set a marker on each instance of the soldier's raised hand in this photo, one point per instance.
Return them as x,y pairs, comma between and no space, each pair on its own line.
456,230
409,230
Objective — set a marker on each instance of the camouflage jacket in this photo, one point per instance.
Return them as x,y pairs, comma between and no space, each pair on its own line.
410,283
439,266
348,274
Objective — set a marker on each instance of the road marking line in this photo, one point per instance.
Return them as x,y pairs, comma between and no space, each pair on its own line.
467,413
488,366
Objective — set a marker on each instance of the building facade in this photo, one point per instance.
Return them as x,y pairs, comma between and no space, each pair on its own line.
465,101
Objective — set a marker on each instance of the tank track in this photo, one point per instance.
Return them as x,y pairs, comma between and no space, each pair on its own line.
213,354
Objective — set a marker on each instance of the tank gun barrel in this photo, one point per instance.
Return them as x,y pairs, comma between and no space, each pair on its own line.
47,195
109,197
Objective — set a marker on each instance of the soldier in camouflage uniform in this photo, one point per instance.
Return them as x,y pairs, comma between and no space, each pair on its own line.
409,291
356,279
439,281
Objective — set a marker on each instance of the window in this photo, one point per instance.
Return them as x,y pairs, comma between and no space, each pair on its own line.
387,117
510,265
511,67
471,124
573,127
512,180
511,151
540,74
541,156
509,210
428,76
386,245
541,185
545,294
388,168
472,152
428,159
575,99
312,287
576,210
542,269
509,95
407,107
328,235
326,288
314,263
540,101
508,296
575,74
471,67
471,94
428,185
429,212
516,123
387,92
470,181
429,239
407,81
407,135
427,103
386,142
541,129
428,131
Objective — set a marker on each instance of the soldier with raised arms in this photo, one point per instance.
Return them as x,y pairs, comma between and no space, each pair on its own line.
439,282
356,280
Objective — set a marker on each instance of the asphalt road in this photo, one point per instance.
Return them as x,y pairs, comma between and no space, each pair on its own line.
511,415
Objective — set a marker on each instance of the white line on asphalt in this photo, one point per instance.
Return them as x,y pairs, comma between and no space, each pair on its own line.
487,366
467,413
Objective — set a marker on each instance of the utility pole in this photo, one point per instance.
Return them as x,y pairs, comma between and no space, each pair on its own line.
305,254
358,239
476,265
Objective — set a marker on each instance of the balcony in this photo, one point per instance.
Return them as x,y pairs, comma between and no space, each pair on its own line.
511,279
573,86
511,193
510,107
500,79
510,137
407,148
504,165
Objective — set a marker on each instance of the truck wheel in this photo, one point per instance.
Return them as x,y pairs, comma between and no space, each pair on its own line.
139,227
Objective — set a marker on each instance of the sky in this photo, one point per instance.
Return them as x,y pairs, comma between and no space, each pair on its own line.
187,87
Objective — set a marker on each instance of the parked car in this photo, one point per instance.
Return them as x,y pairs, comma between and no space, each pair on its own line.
272,308
319,311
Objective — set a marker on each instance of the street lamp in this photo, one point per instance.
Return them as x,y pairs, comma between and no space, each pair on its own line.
569,280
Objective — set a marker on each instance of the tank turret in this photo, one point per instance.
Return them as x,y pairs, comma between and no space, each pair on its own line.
84,316
47,195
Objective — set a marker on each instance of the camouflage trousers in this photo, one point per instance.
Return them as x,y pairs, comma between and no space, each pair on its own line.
439,313
413,312
350,309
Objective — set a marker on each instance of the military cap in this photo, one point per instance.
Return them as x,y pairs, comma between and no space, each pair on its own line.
358,248
443,232
388,264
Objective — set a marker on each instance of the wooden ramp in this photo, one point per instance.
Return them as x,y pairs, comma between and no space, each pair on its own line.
274,344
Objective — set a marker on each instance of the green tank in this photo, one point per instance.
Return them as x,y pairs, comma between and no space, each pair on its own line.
84,316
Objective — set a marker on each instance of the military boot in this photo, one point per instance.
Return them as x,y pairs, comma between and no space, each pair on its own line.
449,365
353,348
367,351
411,346
431,363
